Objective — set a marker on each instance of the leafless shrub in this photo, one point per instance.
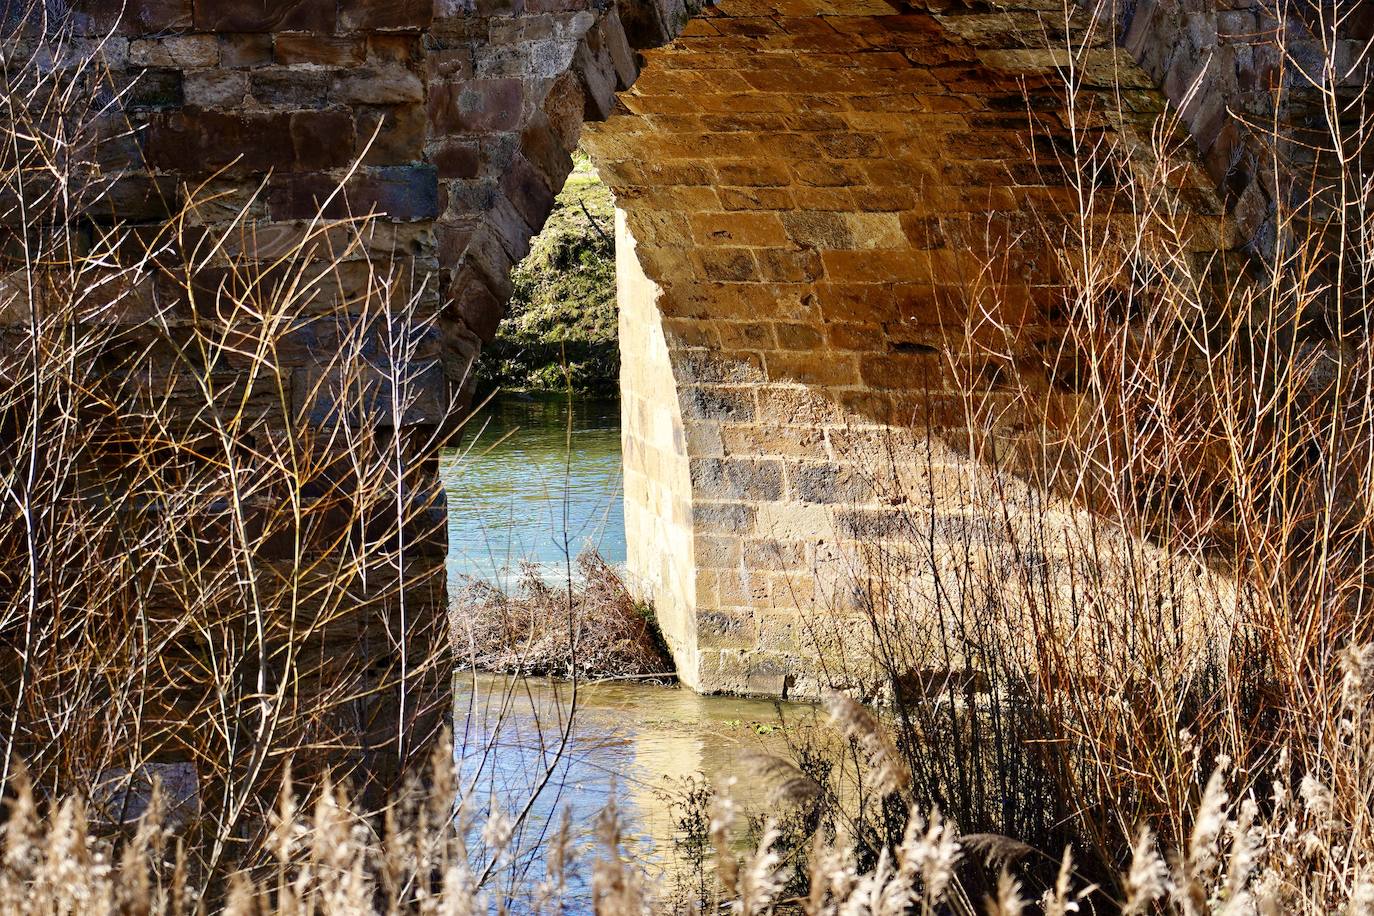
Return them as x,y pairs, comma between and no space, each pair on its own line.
205,562
1168,547
543,627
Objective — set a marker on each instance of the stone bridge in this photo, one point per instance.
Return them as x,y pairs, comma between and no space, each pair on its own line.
812,194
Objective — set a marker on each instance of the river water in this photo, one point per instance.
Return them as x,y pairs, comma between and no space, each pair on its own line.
645,746
538,480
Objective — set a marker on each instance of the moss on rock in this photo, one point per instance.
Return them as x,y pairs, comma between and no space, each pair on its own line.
560,327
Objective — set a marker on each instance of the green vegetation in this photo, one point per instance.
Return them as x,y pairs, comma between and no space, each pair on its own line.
560,329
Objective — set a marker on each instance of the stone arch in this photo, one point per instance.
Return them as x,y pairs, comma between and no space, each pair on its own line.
813,193
811,185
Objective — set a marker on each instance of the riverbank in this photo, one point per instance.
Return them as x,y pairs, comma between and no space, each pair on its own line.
560,330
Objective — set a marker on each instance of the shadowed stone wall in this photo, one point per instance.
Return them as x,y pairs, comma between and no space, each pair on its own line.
240,120
828,195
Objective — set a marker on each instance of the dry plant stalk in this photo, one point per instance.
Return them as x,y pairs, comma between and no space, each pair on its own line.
1175,561
205,564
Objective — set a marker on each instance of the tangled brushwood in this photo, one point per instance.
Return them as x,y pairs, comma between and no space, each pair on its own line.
542,627
204,564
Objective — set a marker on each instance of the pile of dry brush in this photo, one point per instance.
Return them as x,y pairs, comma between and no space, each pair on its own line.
588,626
1196,730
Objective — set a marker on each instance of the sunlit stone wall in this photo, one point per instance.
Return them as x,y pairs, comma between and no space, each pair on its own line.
659,529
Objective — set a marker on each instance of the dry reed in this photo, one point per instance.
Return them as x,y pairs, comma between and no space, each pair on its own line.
542,627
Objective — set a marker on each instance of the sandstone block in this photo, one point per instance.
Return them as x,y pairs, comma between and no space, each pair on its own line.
758,230
256,16
757,480
596,71
180,51
829,483
141,18
717,552
725,630
155,88
390,85
812,368
197,140
756,198
391,133
727,264
456,158
903,370
216,88
792,336
247,50
372,15
747,335
140,198
305,48
723,518
407,192
477,306
710,367
528,191
475,105
289,87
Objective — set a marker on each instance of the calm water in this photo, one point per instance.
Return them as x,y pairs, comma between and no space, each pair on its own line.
539,480
536,479
641,744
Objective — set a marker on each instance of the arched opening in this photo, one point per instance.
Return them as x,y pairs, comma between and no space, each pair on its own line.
535,481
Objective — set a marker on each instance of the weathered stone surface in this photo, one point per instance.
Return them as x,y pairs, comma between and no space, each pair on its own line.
193,140
403,193
376,15
815,187
219,95
475,105
392,85
142,18
264,16
306,48
177,51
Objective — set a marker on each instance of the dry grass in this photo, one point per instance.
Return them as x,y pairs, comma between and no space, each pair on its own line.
1245,854
542,628
1171,556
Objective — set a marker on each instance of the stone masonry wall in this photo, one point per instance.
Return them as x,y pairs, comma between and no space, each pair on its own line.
827,194
1236,69
237,122
660,547
818,189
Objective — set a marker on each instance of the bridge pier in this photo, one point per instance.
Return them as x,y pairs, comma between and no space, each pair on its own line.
834,271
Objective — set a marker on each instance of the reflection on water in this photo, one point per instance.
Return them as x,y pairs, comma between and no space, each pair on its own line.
536,479
638,742
539,479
